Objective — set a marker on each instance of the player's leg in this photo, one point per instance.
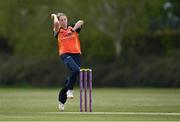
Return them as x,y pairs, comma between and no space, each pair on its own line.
62,98
72,61
74,68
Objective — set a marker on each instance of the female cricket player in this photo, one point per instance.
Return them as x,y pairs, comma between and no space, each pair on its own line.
69,51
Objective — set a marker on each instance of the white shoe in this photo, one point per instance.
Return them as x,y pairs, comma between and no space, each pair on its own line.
70,94
61,106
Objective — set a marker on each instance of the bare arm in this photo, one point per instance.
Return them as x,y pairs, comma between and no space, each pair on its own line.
79,24
56,22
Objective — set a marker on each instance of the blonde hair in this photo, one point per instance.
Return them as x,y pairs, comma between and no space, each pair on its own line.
60,14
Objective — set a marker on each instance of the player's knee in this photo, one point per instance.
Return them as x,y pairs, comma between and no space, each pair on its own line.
76,70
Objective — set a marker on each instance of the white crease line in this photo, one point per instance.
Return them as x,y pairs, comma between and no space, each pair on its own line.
115,113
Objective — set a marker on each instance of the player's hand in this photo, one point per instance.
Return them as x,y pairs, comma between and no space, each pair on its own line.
52,16
69,32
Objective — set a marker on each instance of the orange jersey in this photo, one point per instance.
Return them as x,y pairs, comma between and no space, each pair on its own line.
68,43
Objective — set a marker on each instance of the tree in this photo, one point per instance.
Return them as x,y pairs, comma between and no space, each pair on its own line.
119,17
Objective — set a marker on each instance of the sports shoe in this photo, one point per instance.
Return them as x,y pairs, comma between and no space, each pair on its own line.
61,106
70,94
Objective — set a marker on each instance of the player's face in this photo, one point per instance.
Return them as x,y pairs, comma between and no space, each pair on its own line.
63,21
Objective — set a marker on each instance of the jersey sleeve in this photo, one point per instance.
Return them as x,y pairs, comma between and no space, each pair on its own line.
77,30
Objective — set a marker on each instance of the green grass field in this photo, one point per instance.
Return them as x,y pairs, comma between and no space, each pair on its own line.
108,105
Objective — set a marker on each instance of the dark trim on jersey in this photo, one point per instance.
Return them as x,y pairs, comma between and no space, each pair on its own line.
72,25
